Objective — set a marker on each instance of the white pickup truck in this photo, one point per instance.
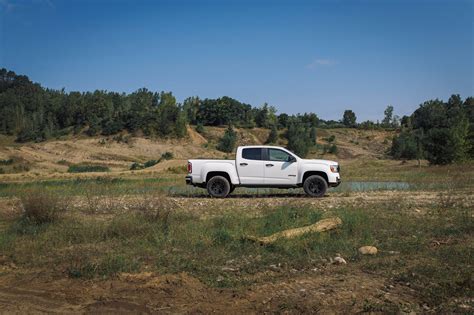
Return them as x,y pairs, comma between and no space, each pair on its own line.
263,166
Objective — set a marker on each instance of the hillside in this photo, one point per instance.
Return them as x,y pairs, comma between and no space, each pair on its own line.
120,151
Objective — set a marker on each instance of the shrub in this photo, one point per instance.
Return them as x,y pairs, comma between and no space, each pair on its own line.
333,149
136,166
299,139
41,206
227,142
273,136
84,168
200,128
167,156
150,163
6,162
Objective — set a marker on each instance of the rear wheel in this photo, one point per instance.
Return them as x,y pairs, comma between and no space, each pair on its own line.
315,186
218,187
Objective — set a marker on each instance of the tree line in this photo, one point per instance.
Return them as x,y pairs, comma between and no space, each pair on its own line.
33,113
440,132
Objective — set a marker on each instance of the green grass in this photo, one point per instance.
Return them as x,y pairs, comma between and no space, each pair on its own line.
160,239
92,186
84,168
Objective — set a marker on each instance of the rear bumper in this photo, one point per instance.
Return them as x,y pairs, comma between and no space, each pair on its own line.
189,180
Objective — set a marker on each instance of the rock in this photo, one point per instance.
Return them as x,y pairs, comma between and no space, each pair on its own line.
368,250
339,260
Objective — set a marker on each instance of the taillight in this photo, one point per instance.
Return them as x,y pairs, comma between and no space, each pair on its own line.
190,167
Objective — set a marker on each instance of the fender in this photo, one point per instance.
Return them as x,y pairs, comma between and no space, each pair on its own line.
312,167
228,168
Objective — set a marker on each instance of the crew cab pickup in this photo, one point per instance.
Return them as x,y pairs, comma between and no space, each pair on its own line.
263,166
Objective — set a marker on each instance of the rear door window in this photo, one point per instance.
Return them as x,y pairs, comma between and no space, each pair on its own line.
252,153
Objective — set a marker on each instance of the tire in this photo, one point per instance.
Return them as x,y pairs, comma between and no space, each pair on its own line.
218,187
232,189
315,186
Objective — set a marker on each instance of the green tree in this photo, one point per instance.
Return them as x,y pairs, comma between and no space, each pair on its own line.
228,141
180,125
388,116
273,136
298,139
312,135
349,118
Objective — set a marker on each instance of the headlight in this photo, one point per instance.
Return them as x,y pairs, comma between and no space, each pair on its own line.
334,168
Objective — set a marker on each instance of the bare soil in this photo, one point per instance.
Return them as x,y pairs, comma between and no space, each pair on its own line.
334,289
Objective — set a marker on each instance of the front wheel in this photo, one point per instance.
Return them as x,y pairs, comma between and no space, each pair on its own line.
315,186
218,187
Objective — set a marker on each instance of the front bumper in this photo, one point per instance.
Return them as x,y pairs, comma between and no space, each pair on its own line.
337,183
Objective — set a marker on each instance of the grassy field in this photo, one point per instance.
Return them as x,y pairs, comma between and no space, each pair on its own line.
110,229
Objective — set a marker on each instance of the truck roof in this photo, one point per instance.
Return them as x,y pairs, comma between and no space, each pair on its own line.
261,146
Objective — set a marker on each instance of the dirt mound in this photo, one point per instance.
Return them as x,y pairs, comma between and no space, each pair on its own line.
120,151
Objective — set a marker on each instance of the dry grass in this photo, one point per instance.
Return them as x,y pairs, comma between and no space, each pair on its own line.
41,206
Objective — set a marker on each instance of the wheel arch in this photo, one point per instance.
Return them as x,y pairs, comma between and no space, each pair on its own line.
218,173
320,173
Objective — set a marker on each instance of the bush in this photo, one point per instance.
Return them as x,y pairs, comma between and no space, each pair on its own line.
299,139
6,162
200,128
227,142
405,146
41,206
84,168
331,138
136,166
273,136
150,163
333,149
167,156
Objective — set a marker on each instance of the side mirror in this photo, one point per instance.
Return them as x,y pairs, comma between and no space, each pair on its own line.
291,159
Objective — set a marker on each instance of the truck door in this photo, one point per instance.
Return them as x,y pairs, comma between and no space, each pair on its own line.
279,168
250,166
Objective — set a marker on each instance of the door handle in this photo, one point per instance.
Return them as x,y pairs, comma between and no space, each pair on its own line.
268,165
243,164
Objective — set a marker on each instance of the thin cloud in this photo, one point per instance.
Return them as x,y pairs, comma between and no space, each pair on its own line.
321,63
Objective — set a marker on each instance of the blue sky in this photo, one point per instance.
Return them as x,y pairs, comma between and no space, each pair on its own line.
300,56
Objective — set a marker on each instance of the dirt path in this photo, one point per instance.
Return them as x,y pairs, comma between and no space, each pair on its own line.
417,201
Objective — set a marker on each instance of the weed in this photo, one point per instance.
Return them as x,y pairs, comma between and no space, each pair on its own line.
42,206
